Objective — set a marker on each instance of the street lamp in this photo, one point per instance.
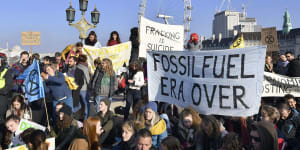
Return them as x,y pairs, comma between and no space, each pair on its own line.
95,15
82,25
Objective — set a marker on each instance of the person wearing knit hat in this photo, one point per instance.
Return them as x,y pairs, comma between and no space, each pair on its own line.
152,105
107,121
66,110
66,129
155,124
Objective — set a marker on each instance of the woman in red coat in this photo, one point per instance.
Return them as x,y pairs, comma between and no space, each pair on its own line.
114,39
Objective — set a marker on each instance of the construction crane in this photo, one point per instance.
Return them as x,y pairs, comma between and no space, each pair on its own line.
221,6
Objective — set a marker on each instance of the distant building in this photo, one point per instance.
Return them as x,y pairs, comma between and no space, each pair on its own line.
250,39
288,39
229,23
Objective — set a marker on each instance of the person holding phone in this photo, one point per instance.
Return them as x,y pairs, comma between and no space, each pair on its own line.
17,69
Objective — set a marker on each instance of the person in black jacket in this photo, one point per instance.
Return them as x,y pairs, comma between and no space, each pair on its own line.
289,125
6,84
104,82
78,75
65,129
293,66
128,139
135,44
187,128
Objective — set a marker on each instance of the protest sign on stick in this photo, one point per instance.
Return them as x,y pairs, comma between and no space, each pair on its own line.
223,82
157,36
269,38
30,38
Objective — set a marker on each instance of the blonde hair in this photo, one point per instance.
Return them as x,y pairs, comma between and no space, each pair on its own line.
271,112
128,125
109,67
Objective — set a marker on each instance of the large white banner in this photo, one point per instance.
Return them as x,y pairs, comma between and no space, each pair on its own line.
157,36
223,82
276,85
118,54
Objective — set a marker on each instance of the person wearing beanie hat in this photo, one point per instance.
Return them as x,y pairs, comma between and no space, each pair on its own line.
66,110
152,105
66,128
107,121
193,44
155,124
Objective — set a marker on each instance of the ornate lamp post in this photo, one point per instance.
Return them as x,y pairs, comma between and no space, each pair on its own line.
82,25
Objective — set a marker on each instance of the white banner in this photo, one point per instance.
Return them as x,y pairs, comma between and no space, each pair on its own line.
223,82
25,124
157,36
118,54
276,85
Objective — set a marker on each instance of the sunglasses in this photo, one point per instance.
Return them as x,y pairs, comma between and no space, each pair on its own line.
256,139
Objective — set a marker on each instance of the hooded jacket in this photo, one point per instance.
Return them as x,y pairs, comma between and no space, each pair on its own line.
158,131
193,45
291,128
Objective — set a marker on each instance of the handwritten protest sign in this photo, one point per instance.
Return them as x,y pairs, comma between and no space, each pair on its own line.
118,54
223,82
25,124
157,36
30,38
276,85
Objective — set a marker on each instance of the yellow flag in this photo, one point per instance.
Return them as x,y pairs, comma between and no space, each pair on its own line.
238,43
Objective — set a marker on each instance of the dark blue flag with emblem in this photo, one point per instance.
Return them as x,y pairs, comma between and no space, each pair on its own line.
34,89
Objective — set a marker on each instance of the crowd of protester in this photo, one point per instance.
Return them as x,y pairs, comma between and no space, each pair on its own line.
81,118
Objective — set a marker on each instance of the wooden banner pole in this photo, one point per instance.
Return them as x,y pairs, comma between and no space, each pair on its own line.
46,112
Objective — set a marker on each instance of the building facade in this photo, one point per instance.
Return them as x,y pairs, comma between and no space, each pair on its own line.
229,23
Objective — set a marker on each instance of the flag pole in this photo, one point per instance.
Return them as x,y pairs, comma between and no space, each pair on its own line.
48,122
46,110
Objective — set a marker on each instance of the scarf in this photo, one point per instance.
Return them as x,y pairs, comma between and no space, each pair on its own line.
283,63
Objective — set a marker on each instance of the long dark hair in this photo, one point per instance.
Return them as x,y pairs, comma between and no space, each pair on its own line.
20,99
213,126
87,40
37,139
111,37
134,34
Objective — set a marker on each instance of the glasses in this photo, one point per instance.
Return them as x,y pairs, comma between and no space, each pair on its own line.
256,139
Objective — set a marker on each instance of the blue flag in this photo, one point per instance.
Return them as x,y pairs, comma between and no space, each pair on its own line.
34,89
